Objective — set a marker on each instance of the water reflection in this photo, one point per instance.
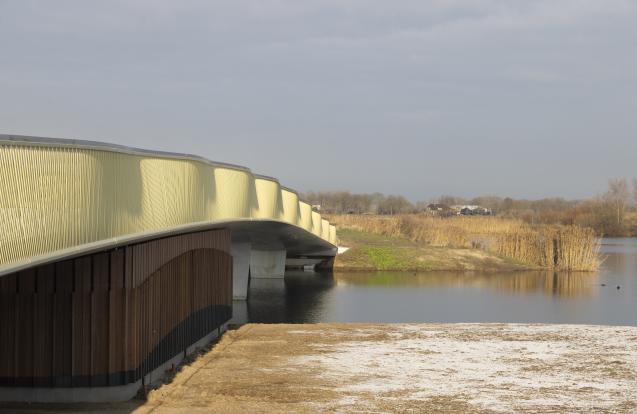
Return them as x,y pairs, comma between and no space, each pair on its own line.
297,298
550,283
542,297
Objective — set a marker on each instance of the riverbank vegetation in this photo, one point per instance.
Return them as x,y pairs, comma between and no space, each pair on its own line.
370,251
557,247
611,214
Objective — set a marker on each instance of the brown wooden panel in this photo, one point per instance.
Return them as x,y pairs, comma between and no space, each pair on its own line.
154,314
130,318
43,326
62,324
83,275
24,318
116,323
134,329
8,290
82,319
64,277
99,321
8,284
101,272
129,268
156,253
45,282
100,301
116,314
117,269
93,320
26,281
81,340
164,311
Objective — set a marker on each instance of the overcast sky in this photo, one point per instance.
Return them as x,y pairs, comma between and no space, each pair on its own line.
420,98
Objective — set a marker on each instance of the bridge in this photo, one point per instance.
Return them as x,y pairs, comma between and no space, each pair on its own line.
116,262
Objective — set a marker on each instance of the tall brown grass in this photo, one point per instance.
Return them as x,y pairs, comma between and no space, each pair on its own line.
546,246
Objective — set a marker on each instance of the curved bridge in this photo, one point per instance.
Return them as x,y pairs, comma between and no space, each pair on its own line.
115,261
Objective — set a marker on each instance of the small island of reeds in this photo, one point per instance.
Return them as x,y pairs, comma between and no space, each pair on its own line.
418,242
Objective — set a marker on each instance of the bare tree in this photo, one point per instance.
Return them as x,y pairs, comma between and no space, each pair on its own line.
395,205
618,196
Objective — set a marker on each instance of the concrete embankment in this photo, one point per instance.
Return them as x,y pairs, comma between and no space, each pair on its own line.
406,368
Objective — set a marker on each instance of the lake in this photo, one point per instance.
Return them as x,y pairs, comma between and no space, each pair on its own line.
536,297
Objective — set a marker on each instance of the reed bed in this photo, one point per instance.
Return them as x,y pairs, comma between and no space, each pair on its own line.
547,246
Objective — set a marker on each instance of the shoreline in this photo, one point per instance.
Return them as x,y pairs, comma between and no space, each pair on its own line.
450,270
369,252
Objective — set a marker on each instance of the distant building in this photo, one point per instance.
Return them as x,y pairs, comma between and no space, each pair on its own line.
437,209
472,210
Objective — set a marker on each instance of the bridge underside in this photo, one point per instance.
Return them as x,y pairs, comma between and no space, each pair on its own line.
263,249
97,326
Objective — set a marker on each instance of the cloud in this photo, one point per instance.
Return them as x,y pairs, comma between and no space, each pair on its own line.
479,81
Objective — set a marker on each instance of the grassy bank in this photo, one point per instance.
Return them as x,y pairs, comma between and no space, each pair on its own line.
369,251
418,242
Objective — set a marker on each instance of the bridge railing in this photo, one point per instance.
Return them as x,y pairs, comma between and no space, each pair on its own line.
58,194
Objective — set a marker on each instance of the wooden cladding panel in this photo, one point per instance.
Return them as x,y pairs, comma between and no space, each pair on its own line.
62,324
43,326
116,314
8,286
148,257
100,307
101,320
24,331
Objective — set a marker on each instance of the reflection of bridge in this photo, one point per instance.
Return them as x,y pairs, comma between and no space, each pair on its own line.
114,261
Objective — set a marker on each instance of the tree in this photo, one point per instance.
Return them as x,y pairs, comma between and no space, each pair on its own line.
395,205
618,196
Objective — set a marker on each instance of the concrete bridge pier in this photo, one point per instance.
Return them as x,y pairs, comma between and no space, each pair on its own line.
268,264
248,262
241,255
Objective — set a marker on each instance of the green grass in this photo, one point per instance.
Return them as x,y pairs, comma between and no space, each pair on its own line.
386,258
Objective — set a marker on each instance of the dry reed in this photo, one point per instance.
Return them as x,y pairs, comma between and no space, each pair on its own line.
546,246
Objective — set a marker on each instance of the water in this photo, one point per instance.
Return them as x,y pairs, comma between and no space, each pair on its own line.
542,297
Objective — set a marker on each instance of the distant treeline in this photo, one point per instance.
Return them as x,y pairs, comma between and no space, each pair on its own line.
344,202
613,213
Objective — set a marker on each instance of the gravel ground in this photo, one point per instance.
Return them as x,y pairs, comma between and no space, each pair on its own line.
407,368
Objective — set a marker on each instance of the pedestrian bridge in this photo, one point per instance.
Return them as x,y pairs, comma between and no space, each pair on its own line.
116,261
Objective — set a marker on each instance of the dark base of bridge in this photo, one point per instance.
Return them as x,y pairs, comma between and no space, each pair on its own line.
323,264
327,265
97,327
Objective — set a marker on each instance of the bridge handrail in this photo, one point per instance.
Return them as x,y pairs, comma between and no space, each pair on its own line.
78,197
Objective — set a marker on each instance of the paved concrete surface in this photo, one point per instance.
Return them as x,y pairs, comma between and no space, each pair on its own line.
402,368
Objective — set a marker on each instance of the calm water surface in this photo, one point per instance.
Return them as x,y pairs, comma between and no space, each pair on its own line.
544,297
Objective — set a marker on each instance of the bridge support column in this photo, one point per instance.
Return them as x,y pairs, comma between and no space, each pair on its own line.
267,264
241,253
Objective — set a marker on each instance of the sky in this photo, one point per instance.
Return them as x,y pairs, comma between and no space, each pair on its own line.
524,98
